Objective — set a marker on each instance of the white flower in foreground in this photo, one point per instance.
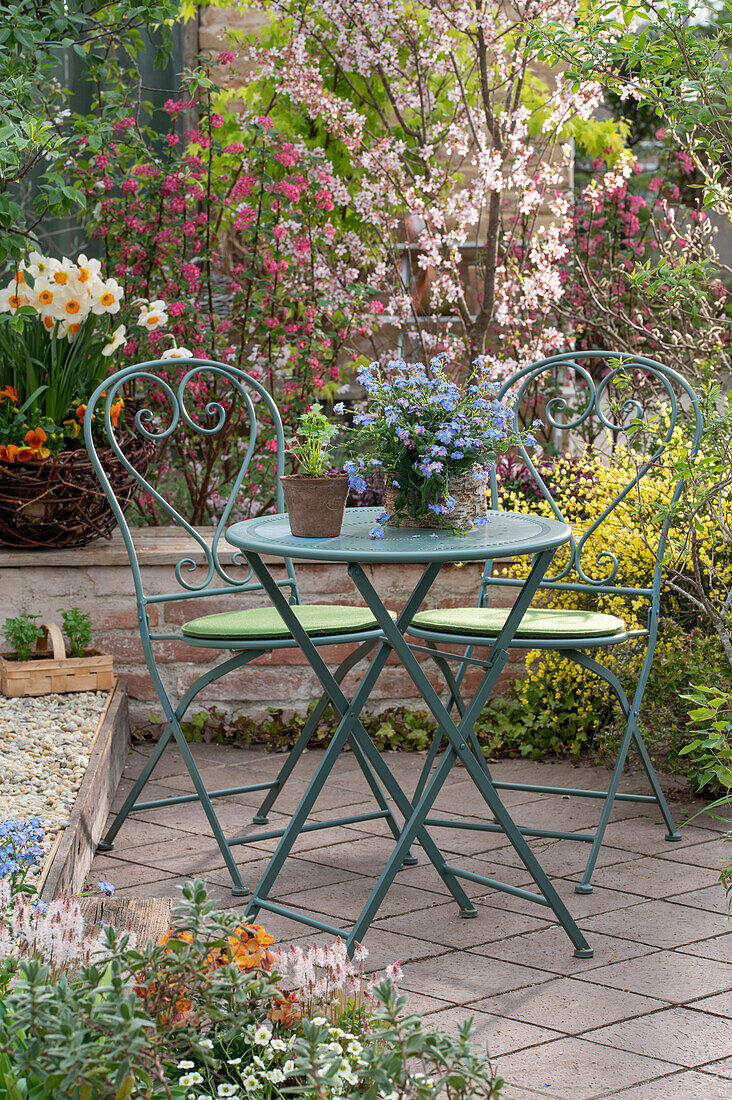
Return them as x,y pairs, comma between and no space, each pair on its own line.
87,269
118,337
227,1090
153,316
262,1036
10,298
106,296
177,353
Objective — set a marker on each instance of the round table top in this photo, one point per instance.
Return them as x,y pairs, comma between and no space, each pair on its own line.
505,535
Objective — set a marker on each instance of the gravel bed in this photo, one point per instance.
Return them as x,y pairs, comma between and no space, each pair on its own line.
44,751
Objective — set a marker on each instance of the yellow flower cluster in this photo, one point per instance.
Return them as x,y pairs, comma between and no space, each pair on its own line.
628,535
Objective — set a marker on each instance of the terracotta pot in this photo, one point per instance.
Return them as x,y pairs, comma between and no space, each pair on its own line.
470,502
315,505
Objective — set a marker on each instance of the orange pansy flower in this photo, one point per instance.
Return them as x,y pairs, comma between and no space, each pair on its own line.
35,438
9,392
115,410
19,454
81,413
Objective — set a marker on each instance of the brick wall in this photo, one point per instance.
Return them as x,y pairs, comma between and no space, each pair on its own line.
98,580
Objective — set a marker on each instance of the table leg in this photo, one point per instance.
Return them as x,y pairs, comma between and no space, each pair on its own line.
349,728
458,738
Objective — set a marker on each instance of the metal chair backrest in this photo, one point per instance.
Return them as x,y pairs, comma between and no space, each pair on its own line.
204,399
600,397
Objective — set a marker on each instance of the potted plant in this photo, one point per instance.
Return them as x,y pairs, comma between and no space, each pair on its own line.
59,335
315,497
435,440
45,670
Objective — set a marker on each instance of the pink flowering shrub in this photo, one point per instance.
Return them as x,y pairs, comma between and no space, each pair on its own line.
640,274
459,151
240,230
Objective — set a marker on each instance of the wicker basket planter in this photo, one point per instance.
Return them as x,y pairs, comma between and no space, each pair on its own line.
470,502
59,503
52,672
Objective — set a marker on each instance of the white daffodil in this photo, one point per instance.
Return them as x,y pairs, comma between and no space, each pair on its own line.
118,337
39,265
61,271
106,297
70,303
87,269
69,329
153,316
11,298
177,353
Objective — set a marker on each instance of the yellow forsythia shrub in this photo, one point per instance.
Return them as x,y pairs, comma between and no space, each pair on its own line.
569,699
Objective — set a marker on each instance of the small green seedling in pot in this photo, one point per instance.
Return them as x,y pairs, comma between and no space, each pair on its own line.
311,445
20,633
77,628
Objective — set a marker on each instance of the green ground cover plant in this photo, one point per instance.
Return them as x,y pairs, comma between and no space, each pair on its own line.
86,1013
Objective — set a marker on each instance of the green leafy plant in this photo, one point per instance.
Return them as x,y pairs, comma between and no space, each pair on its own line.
711,754
311,444
20,633
77,628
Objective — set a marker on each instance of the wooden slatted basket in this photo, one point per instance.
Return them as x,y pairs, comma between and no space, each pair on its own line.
52,672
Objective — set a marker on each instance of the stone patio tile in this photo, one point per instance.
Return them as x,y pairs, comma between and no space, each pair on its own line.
492,1035
682,1035
138,832
442,925
576,1069
645,834
550,949
718,948
120,873
462,792
463,978
568,1005
720,1069
719,1004
417,1002
671,976
708,897
466,841
679,1086
194,856
563,858
344,903
651,877
710,853
368,856
151,791
297,874
661,924
580,905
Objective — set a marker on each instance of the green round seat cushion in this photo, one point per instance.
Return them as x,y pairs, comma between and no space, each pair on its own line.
538,622
265,622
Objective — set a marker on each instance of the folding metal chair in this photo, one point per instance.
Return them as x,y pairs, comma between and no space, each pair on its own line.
607,394
220,395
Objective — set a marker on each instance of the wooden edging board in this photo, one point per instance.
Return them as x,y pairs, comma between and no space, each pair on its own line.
71,855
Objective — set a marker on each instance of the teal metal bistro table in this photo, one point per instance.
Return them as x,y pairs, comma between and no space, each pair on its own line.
507,534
